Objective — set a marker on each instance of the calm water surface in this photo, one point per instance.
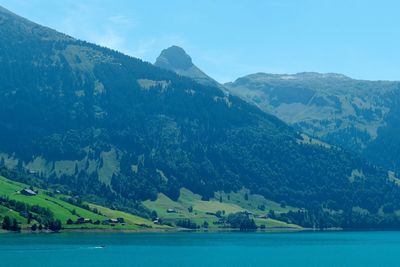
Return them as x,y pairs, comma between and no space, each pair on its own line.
201,249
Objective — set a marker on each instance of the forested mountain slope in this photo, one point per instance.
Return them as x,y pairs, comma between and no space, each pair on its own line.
355,114
102,123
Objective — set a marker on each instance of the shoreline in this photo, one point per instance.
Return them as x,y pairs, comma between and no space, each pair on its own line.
199,231
165,230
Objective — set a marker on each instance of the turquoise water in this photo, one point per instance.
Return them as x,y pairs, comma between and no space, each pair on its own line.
201,249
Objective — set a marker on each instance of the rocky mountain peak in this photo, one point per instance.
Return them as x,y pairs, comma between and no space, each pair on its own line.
174,58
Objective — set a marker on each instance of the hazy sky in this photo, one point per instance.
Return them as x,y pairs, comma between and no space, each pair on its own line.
229,39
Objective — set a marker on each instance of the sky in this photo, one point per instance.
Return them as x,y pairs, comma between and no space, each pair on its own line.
228,39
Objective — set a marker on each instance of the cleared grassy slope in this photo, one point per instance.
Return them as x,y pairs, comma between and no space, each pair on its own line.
63,210
4,211
130,219
203,210
253,202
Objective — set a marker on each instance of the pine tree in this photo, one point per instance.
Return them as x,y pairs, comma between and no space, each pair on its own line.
6,225
15,226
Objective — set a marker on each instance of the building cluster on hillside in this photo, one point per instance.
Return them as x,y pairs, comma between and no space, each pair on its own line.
111,222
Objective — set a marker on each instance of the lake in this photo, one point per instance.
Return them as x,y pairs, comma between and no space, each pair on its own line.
201,249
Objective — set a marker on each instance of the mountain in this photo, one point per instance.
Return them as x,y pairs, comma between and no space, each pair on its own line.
358,115
116,130
177,60
355,114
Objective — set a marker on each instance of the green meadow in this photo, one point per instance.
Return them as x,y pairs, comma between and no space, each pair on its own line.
63,210
191,206
188,206
131,219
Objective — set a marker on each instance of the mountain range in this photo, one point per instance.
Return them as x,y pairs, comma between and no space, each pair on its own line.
114,129
355,114
358,115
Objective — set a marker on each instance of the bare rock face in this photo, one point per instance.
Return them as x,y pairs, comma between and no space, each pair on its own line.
177,60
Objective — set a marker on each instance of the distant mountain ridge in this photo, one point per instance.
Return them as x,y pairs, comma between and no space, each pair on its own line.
358,115
332,107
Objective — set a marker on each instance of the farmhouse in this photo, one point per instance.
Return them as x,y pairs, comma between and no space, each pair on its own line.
82,220
113,220
170,210
28,192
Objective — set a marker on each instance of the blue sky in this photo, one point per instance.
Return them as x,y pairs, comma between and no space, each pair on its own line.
229,39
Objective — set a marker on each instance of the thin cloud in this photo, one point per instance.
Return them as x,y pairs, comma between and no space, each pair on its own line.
122,20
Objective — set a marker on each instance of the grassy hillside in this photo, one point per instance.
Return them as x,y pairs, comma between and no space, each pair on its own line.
130,219
63,210
5,211
257,204
191,206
